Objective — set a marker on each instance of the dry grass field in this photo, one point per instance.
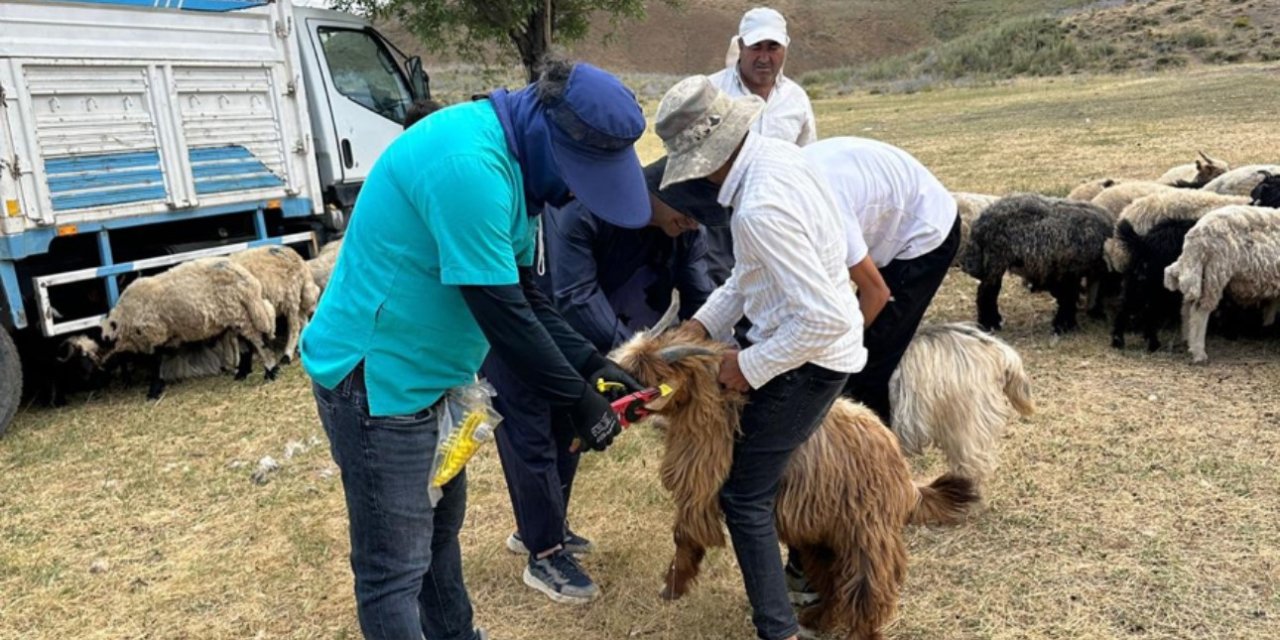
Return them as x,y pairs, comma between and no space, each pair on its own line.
1139,502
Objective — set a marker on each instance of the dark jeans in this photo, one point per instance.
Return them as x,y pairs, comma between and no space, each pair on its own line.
533,443
778,418
404,554
913,284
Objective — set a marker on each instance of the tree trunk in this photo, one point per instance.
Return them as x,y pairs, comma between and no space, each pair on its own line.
533,40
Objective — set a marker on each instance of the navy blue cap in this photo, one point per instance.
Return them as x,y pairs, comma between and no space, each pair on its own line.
698,198
595,125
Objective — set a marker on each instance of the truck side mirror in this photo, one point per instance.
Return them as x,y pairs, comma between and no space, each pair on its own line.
419,82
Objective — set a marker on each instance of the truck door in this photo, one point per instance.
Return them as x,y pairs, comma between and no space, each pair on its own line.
368,94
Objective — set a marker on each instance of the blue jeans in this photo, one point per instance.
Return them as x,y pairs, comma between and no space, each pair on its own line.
778,418
404,554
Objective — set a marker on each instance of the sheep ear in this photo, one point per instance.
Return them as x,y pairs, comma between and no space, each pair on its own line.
677,352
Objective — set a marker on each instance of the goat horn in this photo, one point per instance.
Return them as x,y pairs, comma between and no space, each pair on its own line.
677,352
668,319
1206,158
1266,174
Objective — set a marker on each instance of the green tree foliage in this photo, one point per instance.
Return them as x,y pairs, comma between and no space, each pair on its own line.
485,31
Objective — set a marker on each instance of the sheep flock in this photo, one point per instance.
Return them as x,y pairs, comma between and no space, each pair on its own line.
201,318
1197,249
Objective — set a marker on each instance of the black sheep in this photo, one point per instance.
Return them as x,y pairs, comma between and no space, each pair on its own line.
1052,243
1144,298
1267,193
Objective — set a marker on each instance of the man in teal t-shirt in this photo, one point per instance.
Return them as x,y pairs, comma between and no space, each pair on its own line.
433,273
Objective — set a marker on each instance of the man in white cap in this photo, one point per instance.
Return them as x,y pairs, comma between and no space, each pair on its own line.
753,66
791,281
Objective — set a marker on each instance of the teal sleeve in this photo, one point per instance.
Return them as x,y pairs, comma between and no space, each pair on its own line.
472,212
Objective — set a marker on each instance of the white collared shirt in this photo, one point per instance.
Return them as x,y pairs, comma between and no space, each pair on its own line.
788,115
893,207
790,277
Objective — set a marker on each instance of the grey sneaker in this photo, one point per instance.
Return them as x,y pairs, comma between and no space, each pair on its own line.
561,578
798,589
573,543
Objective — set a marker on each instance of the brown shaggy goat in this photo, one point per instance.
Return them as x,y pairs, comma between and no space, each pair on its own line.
845,497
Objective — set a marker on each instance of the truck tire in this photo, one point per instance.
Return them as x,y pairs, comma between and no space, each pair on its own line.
10,380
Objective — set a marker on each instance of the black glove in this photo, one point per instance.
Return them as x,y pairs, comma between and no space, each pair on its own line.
609,371
594,421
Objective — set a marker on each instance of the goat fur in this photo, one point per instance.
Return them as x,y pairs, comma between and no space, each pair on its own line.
957,387
844,499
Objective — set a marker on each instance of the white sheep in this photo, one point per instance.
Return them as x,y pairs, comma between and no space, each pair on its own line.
1241,180
1115,199
1234,249
191,303
1088,191
1195,175
287,284
322,265
1146,212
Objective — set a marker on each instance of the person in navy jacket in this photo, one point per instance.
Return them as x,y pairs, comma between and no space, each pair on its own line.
609,282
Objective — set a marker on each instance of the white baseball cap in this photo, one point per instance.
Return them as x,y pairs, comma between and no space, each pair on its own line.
763,23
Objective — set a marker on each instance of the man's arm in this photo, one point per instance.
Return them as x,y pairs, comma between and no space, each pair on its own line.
472,223
793,263
524,344
722,310
873,292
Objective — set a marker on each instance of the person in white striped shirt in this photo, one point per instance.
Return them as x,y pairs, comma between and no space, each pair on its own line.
790,280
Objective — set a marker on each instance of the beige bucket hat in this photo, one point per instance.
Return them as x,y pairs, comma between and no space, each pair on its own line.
701,126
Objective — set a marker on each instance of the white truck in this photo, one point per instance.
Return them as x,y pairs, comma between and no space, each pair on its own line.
137,134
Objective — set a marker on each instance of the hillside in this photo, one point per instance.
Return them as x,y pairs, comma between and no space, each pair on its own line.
856,43
1109,37
825,33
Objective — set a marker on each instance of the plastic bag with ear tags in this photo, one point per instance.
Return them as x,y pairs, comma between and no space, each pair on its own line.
467,422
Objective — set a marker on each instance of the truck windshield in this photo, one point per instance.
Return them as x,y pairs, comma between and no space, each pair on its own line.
364,71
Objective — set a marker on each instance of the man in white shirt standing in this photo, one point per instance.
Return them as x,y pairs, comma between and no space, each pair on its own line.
791,281
902,231
753,66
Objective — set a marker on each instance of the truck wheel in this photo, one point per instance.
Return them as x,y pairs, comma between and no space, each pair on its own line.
10,380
